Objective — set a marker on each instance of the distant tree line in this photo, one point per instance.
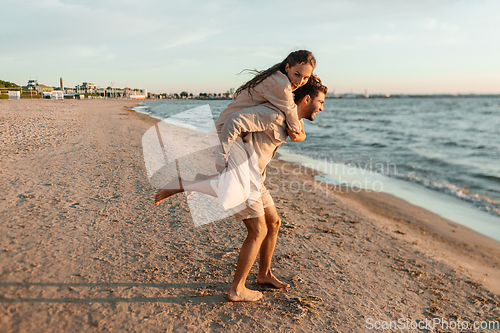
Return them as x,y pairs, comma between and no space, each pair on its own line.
7,84
214,95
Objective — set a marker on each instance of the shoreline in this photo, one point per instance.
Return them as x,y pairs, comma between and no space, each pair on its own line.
84,248
445,206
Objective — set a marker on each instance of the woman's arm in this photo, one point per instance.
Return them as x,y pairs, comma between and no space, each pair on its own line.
277,90
301,136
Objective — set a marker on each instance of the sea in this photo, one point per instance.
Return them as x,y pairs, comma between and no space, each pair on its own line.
440,153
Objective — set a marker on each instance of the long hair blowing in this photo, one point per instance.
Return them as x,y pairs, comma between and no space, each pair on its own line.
294,58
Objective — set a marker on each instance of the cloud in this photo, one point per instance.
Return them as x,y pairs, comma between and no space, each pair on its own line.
451,28
433,25
84,51
429,24
185,38
376,38
185,63
443,32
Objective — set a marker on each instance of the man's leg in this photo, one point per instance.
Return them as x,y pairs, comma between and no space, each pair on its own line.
273,222
257,231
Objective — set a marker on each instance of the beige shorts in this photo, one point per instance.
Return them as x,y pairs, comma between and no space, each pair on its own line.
257,209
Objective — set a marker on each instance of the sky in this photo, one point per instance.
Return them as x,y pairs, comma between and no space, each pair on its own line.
383,46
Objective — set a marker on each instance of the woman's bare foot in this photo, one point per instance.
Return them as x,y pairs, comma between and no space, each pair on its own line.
162,194
170,190
272,280
245,295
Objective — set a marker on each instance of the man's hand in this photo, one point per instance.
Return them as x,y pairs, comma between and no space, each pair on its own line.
294,136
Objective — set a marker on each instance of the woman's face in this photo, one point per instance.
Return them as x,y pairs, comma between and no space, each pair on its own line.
298,74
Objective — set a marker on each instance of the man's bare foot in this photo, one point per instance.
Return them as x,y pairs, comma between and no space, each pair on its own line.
246,295
272,280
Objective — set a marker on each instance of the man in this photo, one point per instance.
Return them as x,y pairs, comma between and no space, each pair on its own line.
259,130
264,127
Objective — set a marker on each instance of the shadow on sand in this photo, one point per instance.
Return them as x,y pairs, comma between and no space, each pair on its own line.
212,298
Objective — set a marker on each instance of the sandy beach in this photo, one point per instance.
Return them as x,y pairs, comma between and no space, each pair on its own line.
84,249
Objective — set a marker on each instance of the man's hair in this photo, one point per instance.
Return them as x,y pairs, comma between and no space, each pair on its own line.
311,88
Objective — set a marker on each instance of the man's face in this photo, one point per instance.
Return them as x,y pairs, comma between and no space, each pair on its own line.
315,106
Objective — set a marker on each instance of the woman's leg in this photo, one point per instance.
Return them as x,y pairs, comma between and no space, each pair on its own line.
273,222
186,185
200,176
257,231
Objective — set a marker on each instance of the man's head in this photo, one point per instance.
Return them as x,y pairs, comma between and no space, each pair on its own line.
310,98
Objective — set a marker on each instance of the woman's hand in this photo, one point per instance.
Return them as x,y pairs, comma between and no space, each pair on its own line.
294,136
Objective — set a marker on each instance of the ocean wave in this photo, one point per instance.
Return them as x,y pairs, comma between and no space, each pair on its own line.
142,109
489,177
437,161
321,124
482,202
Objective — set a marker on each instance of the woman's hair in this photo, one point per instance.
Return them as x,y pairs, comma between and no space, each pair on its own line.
311,88
294,58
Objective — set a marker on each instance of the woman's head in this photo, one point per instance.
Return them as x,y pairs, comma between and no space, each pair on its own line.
298,74
298,66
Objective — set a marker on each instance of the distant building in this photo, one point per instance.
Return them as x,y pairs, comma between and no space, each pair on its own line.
32,85
86,88
229,93
136,93
109,92
349,95
56,94
14,95
61,81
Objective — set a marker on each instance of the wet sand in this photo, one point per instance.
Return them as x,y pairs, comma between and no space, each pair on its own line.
83,247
